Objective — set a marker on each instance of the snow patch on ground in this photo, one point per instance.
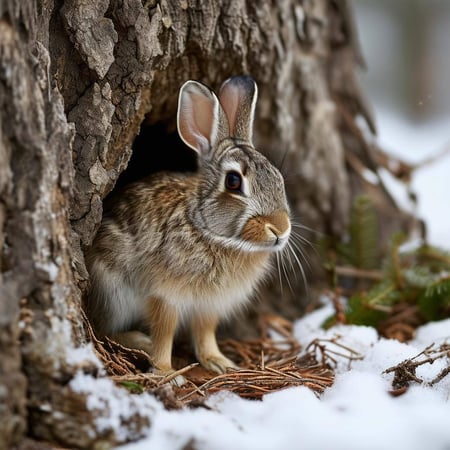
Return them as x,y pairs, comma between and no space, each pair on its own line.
83,355
357,412
415,143
114,407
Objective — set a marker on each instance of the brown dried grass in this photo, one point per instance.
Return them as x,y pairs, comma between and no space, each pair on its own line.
267,364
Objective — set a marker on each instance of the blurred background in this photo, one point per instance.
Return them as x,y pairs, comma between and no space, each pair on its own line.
406,44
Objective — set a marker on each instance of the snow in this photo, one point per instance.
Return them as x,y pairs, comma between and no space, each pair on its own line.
113,406
83,355
415,143
357,412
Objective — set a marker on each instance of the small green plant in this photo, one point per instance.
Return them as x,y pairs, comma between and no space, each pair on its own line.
417,280
132,387
360,248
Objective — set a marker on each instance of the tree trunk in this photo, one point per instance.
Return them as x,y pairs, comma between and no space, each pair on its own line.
78,80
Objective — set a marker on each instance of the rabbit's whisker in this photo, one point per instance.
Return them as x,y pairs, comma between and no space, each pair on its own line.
300,266
279,273
286,274
299,237
297,246
304,227
283,159
300,240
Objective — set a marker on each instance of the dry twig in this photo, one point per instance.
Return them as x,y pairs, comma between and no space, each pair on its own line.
405,372
339,309
326,352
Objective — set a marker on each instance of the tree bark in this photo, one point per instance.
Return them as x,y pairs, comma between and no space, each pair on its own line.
78,79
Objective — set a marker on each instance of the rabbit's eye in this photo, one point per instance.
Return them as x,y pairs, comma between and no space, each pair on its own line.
233,181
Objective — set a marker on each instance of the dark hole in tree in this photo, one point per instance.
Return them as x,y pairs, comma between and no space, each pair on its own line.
154,150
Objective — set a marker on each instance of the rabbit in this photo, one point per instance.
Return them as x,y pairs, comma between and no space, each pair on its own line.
190,248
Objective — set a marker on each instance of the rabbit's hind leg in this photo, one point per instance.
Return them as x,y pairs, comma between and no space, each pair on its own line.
203,331
140,341
162,322
134,340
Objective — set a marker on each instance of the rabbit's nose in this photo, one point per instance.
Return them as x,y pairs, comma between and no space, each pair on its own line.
279,225
278,228
273,233
272,230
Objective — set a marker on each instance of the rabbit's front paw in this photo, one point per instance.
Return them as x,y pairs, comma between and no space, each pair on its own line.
217,363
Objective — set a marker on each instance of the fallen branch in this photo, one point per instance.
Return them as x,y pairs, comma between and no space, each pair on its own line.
353,272
405,372
326,352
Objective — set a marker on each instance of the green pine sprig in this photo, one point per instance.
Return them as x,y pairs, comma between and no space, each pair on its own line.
419,277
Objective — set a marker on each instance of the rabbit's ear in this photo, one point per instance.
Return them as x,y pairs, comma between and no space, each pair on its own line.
238,99
198,116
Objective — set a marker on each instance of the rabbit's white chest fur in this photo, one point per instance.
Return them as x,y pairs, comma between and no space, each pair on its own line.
192,288
220,291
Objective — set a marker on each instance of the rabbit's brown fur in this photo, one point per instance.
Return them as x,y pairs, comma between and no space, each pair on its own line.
188,247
